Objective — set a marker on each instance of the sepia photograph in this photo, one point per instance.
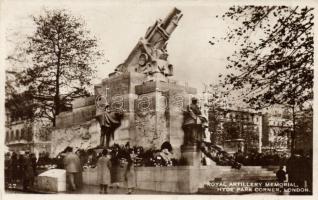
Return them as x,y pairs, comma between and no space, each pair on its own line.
158,97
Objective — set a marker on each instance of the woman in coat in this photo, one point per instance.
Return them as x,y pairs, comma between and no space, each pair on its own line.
103,171
130,176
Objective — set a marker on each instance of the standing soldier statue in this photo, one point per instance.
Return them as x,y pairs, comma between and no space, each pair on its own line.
109,121
194,124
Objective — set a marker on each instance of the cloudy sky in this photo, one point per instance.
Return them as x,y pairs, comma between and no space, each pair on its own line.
119,25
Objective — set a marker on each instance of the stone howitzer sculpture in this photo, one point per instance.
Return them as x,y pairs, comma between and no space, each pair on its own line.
150,55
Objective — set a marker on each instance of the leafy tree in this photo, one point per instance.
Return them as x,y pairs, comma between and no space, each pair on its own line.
63,57
21,105
304,130
216,104
274,61
232,130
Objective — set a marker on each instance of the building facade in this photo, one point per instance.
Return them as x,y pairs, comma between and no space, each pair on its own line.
25,135
231,127
236,129
276,129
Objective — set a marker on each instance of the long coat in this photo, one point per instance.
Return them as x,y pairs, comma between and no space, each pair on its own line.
130,176
28,170
103,171
72,163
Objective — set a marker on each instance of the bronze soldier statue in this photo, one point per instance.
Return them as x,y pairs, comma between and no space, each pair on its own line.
194,123
109,121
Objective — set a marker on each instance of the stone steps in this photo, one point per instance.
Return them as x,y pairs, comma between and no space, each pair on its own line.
248,178
247,174
221,190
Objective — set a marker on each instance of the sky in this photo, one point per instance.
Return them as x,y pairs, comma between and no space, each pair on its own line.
118,27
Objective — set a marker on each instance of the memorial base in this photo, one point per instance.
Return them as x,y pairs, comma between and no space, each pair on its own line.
52,181
191,154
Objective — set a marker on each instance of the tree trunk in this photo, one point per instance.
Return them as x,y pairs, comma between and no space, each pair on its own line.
293,133
57,87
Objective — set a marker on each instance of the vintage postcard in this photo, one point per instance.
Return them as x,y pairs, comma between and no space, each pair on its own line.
204,98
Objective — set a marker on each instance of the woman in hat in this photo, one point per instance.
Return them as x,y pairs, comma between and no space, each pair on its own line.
103,171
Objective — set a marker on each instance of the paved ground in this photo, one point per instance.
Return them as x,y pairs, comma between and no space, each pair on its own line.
90,189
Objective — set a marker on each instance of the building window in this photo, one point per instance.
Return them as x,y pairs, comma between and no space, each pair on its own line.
7,136
29,134
11,136
17,135
22,134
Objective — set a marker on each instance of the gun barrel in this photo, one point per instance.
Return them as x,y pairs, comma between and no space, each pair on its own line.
167,21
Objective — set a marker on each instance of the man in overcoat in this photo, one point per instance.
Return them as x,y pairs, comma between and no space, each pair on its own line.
72,166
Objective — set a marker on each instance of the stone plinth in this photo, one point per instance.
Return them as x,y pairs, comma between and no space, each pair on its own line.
159,114
152,109
192,155
90,176
53,180
177,179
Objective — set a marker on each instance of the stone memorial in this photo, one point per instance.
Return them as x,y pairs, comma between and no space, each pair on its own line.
141,104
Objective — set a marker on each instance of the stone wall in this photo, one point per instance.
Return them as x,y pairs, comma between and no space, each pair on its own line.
187,179
85,136
77,116
178,179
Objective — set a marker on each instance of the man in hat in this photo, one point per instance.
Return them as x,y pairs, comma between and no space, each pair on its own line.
72,166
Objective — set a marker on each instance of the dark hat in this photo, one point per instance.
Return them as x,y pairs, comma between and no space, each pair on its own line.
194,99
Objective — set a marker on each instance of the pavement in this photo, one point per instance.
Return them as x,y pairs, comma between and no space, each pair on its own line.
87,189
91,189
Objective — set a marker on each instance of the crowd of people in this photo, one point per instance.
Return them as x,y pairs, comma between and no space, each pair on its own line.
142,157
106,163
20,168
